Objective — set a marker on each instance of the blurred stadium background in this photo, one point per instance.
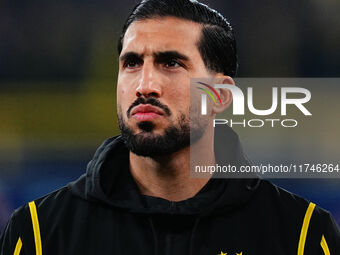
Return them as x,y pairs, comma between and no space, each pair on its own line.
58,69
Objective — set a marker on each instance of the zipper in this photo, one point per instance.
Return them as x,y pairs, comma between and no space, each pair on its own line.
172,206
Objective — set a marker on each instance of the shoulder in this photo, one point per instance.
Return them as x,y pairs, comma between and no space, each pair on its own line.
51,200
38,219
281,197
316,228
49,206
288,202
23,225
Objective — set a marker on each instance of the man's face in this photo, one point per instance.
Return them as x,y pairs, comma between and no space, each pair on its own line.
158,58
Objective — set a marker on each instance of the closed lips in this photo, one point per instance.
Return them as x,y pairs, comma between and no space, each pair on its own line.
146,109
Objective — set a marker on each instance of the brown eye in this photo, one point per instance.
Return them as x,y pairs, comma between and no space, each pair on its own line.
131,64
173,64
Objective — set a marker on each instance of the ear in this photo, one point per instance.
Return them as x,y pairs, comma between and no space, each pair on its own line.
225,95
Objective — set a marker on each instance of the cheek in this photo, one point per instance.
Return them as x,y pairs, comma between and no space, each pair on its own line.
180,97
126,90
121,95
122,92
181,104
121,89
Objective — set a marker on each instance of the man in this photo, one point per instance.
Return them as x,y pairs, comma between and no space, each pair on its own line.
137,196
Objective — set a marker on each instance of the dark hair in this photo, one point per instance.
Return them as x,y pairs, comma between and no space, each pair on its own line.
217,44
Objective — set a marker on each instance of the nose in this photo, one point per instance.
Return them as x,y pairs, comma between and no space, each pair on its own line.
149,83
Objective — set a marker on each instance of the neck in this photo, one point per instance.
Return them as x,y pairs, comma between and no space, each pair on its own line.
168,177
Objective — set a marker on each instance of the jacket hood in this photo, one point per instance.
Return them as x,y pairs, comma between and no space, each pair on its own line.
108,180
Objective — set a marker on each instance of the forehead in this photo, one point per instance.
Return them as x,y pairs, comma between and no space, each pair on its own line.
162,34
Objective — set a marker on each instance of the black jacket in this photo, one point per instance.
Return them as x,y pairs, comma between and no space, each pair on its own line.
103,213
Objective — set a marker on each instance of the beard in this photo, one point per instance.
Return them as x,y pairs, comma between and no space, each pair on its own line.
176,137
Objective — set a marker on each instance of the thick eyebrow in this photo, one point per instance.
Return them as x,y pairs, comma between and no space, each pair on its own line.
163,56
160,57
130,55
